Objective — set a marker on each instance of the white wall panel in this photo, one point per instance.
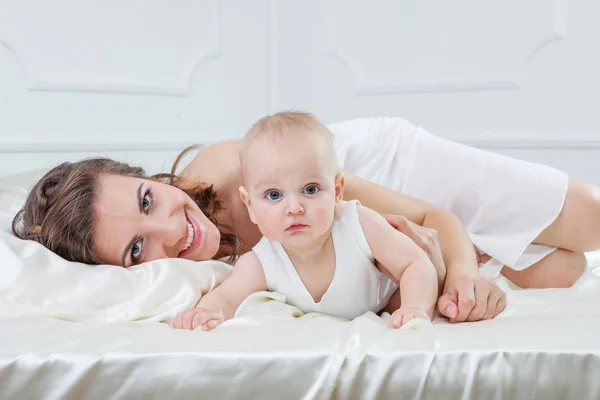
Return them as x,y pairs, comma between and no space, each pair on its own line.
139,80
511,75
433,46
111,46
140,74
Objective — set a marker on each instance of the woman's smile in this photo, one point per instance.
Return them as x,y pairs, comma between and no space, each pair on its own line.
158,221
194,237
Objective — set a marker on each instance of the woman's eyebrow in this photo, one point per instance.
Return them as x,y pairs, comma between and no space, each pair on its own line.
132,241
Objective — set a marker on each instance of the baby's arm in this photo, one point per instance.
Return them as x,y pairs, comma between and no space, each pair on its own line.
404,262
222,302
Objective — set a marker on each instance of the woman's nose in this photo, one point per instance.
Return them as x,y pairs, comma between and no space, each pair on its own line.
170,232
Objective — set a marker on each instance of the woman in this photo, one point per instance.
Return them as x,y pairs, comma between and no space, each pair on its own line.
101,211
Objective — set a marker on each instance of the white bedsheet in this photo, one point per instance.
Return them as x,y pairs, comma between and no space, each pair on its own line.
545,345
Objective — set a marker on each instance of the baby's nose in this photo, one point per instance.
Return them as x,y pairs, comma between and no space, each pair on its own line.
295,209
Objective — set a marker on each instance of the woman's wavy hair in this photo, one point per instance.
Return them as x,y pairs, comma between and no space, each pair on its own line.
59,210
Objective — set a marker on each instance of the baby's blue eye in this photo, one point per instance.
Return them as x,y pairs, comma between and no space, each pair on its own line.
136,249
310,189
273,195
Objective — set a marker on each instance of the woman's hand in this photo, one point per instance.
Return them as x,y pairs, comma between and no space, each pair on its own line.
466,298
425,238
471,298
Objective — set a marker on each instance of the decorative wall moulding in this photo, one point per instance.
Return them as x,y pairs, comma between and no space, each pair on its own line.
463,46
166,44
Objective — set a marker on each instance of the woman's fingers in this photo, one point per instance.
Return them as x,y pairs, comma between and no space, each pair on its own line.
425,238
399,222
492,306
429,235
466,299
501,305
482,295
402,224
475,299
448,303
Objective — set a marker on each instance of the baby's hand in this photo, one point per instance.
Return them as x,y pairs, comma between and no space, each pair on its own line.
405,313
197,317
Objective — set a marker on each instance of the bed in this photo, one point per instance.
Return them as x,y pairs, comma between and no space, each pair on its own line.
74,331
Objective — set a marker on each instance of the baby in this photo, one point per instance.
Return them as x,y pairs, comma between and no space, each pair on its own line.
317,250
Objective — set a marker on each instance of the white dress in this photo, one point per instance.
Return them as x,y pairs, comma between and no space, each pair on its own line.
357,286
504,203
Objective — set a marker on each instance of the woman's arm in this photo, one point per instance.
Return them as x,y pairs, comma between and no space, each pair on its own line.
457,249
462,277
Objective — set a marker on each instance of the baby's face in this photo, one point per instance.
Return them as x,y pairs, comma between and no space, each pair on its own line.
292,190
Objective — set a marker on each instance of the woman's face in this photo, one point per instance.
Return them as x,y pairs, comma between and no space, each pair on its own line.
140,220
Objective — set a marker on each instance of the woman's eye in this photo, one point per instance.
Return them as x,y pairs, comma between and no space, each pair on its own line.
273,195
146,201
310,189
136,250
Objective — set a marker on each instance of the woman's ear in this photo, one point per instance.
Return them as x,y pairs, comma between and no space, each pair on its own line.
339,186
246,199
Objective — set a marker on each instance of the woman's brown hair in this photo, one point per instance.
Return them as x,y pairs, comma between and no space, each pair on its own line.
59,210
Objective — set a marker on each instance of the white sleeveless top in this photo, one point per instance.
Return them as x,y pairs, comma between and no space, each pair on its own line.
357,285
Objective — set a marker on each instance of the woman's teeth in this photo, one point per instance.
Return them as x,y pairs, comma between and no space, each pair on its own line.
190,237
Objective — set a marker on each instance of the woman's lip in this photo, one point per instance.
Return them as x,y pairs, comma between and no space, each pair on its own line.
197,237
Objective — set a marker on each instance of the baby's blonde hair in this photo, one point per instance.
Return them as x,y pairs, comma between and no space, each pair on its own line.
285,124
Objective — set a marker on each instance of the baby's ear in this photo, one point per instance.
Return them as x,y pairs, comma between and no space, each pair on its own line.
244,195
246,199
339,186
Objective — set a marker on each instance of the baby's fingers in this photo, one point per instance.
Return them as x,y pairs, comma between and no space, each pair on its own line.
407,317
187,320
204,317
191,319
212,324
176,323
398,319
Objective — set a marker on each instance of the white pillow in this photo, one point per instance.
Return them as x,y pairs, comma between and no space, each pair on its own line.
36,282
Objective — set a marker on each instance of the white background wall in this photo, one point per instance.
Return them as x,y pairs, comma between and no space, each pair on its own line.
140,80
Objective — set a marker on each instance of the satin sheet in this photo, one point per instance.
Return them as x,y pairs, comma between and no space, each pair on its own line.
545,345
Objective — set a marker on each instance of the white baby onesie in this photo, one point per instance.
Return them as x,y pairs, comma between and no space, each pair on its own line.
357,285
